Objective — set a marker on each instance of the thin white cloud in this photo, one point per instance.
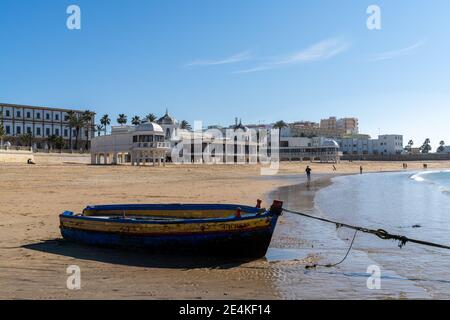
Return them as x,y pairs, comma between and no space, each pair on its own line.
239,57
322,50
396,53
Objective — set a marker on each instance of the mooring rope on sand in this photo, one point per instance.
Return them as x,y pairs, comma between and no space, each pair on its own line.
380,233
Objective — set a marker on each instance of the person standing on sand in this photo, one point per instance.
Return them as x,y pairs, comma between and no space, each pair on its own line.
360,169
308,172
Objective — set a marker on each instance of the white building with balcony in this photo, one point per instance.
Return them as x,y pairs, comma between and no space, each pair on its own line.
140,145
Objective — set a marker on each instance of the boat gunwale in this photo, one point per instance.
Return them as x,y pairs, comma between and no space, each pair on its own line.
116,219
173,206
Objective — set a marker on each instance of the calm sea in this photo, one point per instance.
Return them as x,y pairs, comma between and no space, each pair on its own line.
413,204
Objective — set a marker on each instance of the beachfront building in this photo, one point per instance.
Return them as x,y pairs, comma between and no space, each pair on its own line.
138,145
41,123
332,128
215,147
309,149
388,144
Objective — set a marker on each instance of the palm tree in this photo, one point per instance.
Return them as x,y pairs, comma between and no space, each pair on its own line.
185,125
72,118
136,120
77,123
441,146
151,117
426,148
105,121
99,128
122,119
87,117
409,146
279,125
2,130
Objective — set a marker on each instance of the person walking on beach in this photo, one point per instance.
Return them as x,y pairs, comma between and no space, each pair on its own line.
360,169
308,172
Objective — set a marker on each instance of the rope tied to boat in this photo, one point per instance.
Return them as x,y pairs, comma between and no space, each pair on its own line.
380,233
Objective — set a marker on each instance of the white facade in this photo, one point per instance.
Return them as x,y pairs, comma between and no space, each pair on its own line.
40,122
140,144
302,148
385,144
215,146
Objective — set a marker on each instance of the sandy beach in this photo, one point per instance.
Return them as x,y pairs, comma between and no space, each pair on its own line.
34,259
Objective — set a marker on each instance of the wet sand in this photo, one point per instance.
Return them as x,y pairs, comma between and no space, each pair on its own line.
33,258
304,242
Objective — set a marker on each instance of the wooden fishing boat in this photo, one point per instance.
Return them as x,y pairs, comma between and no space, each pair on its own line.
214,229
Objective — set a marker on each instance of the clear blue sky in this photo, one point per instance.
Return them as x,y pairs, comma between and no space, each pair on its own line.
213,60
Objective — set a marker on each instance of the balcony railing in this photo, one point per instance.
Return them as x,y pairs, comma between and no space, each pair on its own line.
158,145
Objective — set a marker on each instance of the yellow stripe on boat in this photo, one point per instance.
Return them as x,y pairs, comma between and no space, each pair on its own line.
170,228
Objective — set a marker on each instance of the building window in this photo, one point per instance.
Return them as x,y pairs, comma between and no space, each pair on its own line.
57,117
38,131
47,116
47,132
8,130
7,113
28,114
18,114
57,132
28,130
18,130
66,132
38,115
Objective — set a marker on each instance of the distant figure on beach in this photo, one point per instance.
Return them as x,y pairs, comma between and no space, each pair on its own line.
360,169
308,172
30,161
425,166
334,168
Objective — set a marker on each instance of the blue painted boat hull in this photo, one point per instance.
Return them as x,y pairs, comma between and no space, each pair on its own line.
141,227
246,244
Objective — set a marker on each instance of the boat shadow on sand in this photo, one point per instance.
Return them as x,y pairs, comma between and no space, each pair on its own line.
134,258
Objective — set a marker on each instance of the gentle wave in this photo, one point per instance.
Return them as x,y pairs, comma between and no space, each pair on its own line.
441,179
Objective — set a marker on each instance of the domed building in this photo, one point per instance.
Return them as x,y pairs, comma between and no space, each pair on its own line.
141,144
168,123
